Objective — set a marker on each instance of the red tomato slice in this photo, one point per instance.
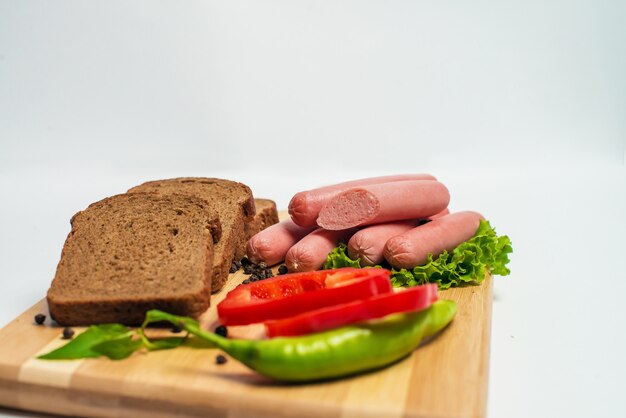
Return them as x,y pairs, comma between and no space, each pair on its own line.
292,294
414,299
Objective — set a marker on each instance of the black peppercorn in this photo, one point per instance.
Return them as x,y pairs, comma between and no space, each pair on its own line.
40,318
245,262
221,330
68,333
233,268
247,269
283,269
262,265
247,281
220,359
254,277
268,273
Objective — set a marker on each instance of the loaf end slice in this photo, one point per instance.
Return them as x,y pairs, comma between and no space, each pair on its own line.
266,215
131,253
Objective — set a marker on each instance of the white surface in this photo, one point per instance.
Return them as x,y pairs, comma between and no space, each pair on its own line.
558,319
518,107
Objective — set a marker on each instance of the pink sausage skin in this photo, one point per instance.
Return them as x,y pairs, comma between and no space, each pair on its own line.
386,202
311,251
411,248
305,206
368,244
271,244
440,214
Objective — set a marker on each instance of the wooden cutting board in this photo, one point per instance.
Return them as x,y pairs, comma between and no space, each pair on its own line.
446,377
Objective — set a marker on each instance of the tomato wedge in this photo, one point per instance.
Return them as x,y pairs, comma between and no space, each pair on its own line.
414,299
292,294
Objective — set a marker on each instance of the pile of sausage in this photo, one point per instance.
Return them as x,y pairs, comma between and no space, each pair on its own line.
400,218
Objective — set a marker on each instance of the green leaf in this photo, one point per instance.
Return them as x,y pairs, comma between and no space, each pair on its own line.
166,343
119,348
116,341
198,343
338,258
82,346
188,324
154,315
466,264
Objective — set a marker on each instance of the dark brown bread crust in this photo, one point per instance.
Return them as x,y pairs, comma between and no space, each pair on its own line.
231,200
266,215
130,253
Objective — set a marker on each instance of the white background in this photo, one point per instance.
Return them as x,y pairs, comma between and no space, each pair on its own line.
518,107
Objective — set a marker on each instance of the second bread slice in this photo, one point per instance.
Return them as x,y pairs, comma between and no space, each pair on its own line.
233,203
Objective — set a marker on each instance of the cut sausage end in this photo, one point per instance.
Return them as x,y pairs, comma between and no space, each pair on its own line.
349,209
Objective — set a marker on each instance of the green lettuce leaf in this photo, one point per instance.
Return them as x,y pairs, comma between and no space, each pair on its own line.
468,263
338,258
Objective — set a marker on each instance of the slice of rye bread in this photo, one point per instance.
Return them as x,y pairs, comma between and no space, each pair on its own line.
266,215
130,253
232,201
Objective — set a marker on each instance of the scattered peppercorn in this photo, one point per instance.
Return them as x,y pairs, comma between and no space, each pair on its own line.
247,281
233,268
221,330
237,264
68,333
220,359
40,318
258,271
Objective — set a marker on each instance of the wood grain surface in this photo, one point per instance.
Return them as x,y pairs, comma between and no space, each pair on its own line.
446,377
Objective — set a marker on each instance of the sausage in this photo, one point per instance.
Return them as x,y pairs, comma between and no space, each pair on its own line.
271,244
305,206
411,248
368,244
311,251
386,202
439,215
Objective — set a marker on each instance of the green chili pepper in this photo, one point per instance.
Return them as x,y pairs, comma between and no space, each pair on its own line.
339,352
